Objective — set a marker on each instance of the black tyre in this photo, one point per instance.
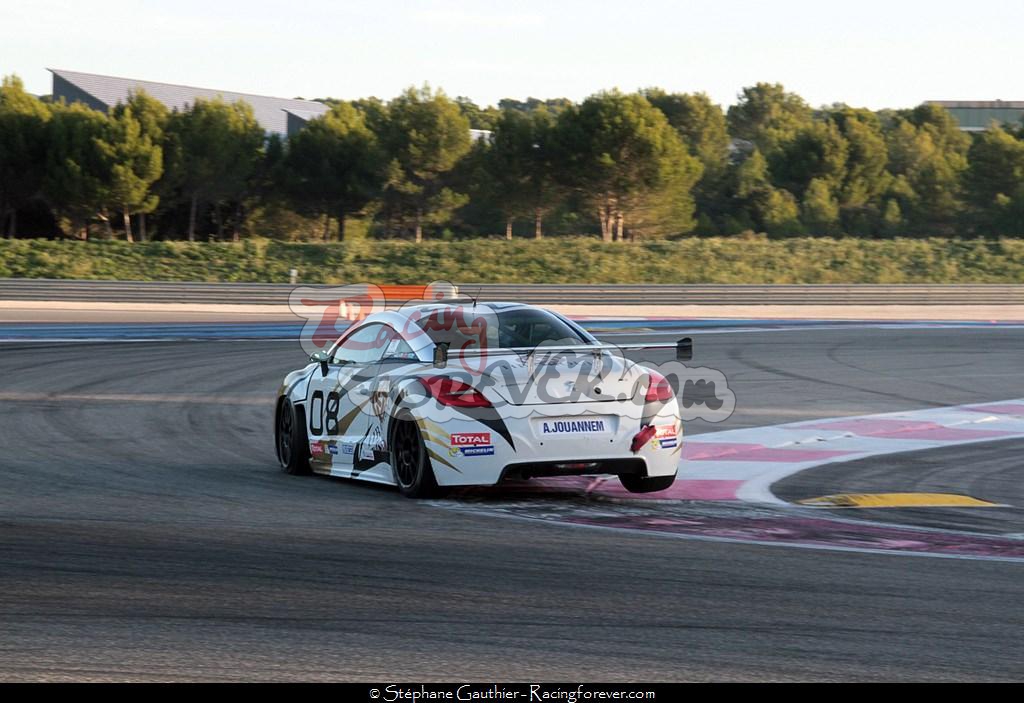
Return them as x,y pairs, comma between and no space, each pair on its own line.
410,462
290,439
646,484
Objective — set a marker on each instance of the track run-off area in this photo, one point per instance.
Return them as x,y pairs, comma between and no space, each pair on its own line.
859,516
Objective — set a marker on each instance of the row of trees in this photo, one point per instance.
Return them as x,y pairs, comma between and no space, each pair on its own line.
627,165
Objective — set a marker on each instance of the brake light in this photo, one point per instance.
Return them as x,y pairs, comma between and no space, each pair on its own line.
455,393
645,435
659,389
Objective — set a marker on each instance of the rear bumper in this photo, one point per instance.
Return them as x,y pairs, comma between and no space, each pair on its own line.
634,466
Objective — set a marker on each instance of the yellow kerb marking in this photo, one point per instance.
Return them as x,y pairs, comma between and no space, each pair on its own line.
897,500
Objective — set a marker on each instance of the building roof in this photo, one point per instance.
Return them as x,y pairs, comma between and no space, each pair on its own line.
305,114
981,104
271,113
978,115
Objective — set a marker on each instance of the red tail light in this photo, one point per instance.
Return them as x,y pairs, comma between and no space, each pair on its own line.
451,391
645,435
658,389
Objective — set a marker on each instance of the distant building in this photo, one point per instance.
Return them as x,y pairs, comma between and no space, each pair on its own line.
977,115
276,115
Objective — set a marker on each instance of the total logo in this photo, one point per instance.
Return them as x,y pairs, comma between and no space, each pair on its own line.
471,444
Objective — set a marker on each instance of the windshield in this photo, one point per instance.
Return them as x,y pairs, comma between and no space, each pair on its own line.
516,327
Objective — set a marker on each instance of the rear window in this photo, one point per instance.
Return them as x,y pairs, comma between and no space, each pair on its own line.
491,329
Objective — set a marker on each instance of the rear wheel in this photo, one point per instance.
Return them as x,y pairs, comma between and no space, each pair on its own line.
410,462
291,440
646,484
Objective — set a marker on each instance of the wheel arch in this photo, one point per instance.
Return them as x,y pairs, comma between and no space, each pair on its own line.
296,385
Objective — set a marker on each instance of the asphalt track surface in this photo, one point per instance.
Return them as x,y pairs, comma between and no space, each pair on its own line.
146,533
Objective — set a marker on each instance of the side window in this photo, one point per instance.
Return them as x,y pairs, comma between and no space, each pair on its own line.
396,348
363,346
399,350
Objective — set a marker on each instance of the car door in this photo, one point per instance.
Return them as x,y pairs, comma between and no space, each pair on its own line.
340,415
370,388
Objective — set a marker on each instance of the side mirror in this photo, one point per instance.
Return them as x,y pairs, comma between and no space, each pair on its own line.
684,349
322,358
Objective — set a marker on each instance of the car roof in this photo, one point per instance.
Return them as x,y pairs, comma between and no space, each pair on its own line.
399,317
465,302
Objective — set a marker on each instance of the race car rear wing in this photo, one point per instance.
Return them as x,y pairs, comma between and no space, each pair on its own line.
683,347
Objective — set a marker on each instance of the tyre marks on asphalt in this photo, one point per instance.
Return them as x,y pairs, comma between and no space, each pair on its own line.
177,398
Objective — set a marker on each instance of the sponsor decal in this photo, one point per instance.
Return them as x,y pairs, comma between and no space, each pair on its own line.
348,449
665,437
375,440
573,427
379,398
471,444
373,448
462,439
333,449
316,449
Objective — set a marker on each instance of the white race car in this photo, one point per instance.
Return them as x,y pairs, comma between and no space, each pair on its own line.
438,395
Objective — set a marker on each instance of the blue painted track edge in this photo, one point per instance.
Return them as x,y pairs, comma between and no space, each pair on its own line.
41,331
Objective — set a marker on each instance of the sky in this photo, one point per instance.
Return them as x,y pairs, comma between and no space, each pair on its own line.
868,53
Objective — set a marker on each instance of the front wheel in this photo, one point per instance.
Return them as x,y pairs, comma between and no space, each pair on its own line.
646,484
410,463
290,439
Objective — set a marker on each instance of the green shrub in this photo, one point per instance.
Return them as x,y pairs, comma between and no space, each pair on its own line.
746,259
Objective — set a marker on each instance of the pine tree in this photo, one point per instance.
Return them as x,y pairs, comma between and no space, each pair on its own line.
136,162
